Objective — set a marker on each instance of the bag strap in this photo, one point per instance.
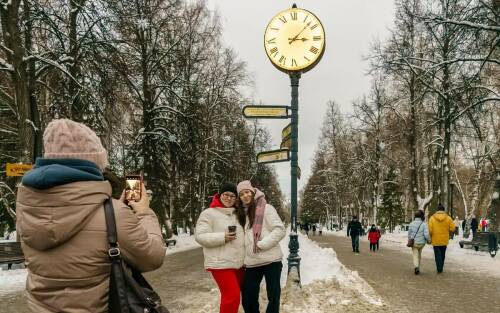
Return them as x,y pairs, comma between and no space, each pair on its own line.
416,233
109,214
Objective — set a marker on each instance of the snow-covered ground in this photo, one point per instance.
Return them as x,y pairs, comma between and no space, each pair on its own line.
184,243
468,259
13,280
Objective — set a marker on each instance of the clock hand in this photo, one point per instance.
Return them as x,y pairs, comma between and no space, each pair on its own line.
301,39
295,38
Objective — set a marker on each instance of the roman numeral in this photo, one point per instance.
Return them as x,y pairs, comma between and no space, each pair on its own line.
293,15
283,19
306,59
282,59
306,18
294,62
314,26
274,51
274,28
317,38
314,50
272,40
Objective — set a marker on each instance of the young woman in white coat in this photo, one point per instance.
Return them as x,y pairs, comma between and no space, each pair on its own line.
263,233
219,230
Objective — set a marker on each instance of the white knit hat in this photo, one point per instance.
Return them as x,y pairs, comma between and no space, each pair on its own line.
66,139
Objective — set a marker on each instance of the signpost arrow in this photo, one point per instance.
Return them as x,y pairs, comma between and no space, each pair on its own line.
287,131
266,111
274,156
286,143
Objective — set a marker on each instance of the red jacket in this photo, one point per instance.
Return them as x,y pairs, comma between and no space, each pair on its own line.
373,236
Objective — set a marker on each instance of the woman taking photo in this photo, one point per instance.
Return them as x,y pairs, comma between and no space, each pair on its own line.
219,230
263,232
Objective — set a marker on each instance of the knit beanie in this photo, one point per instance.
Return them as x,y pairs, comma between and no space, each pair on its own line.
66,139
245,185
227,187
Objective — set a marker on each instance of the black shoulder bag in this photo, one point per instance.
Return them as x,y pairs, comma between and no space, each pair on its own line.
129,292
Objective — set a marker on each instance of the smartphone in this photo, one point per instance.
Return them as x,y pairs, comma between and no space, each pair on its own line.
133,187
231,229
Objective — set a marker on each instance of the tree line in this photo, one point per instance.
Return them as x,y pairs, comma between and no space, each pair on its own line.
428,131
152,77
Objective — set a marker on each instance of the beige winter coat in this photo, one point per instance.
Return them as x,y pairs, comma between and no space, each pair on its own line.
273,231
210,234
63,236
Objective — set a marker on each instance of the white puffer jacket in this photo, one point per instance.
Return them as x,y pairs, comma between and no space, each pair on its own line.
211,228
273,230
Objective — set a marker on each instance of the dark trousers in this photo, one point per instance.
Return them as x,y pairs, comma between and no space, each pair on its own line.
373,246
251,287
378,244
439,256
355,243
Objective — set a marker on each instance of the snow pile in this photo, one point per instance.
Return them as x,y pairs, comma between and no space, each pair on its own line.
184,242
320,266
12,281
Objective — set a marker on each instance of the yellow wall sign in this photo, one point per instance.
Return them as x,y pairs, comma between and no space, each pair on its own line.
265,111
274,156
17,169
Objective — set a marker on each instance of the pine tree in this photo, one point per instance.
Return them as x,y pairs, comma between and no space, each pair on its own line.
391,212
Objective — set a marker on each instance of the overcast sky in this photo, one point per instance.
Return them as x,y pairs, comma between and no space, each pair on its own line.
350,27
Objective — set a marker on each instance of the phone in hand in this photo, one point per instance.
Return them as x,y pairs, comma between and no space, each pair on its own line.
231,229
133,187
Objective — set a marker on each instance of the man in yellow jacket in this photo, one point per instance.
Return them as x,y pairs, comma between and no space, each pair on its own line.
440,227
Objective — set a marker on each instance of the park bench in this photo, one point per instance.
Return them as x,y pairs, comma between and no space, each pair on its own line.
10,253
170,242
485,241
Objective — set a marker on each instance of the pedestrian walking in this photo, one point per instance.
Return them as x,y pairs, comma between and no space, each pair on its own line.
354,230
440,226
379,236
474,226
373,237
457,226
62,225
418,236
306,229
483,224
219,230
263,233
314,229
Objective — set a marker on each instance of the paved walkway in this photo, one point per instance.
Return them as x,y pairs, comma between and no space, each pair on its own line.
390,272
183,284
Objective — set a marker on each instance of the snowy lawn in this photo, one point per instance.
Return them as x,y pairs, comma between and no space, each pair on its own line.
184,242
468,259
13,280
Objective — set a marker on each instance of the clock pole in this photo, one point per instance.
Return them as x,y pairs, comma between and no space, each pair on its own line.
293,246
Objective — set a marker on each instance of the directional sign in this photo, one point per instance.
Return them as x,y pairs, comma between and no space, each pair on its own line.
266,111
286,131
286,143
17,169
274,156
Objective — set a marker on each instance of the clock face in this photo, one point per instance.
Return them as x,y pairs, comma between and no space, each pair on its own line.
294,40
